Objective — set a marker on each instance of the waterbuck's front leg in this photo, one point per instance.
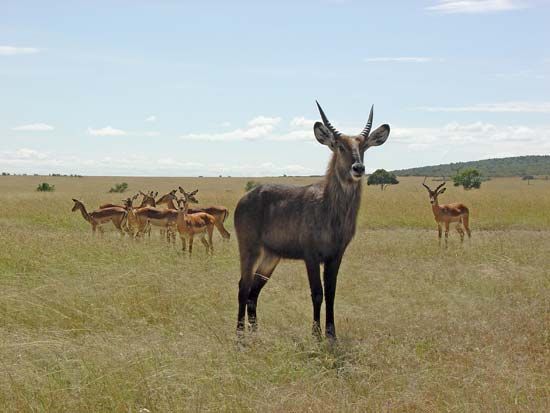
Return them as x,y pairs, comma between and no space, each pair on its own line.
314,277
330,275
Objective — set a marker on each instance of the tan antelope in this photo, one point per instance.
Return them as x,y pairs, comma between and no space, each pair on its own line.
147,216
219,213
313,223
189,225
102,216
447,213
168,200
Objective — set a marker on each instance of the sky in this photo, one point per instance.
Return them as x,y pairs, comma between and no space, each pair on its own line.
181,88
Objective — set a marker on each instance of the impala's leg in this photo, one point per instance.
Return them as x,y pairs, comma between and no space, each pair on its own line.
94,228
205,243
223,232
330,276
460,231
249,255
440,232
183,244
210,231
466,221
190,243
446,232
314,278
263,272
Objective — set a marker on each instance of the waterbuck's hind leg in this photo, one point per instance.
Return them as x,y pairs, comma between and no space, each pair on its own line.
267,265
314,278
249,256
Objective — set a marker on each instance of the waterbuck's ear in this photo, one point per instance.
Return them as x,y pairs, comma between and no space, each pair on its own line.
442,190
324,135
378,136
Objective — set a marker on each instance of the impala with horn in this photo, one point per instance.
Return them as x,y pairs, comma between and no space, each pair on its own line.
447,213
103,216
313,223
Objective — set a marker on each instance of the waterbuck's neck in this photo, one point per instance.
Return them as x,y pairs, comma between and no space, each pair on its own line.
84,213
342,194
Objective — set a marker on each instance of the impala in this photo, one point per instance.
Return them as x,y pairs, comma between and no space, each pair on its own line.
189,225
313,223
219,213
102,216
447,213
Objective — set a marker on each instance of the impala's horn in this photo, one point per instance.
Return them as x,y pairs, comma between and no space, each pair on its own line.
439,187
327,122
368,126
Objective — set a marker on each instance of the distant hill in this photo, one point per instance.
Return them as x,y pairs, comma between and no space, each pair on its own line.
513,166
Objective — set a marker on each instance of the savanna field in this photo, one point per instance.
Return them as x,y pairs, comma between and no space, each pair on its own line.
102,324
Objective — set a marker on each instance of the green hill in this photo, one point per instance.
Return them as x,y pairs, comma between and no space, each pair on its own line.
513,166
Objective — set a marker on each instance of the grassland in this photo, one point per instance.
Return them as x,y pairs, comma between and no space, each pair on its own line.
103,324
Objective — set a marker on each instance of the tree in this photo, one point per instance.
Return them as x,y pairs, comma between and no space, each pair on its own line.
45,187
119,188
528,178
383,178
468,178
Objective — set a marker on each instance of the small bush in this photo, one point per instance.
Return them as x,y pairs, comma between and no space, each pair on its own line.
45,187
469,178
250,185
119,188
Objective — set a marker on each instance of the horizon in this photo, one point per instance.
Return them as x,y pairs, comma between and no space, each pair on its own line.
178,89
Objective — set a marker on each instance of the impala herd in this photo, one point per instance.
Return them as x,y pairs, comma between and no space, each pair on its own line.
175,217
313,223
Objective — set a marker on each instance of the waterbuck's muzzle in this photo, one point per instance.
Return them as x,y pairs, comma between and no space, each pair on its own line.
358,169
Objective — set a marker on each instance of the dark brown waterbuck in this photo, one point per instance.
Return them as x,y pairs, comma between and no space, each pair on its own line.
447,213
314,223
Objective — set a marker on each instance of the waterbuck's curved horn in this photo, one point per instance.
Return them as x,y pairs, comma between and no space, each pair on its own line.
327,122
368,126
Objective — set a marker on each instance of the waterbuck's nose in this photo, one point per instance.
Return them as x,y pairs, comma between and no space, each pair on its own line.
358,168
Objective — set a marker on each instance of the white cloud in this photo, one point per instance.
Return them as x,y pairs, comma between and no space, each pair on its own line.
264,121
527,107
151,118
476,6
402,59
12,50
301,122
30,161
257,128
34,127
106,131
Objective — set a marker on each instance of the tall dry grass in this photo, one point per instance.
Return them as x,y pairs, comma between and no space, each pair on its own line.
104,324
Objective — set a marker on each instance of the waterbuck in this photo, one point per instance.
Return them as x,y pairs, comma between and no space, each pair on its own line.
314,223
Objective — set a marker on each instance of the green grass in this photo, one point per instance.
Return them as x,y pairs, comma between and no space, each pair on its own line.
104,324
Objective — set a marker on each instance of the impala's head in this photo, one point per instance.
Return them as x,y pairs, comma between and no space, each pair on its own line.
349,150
189,196
77,205
435,193
169,196
128,202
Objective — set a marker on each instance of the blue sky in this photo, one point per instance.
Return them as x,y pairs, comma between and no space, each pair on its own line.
207,88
